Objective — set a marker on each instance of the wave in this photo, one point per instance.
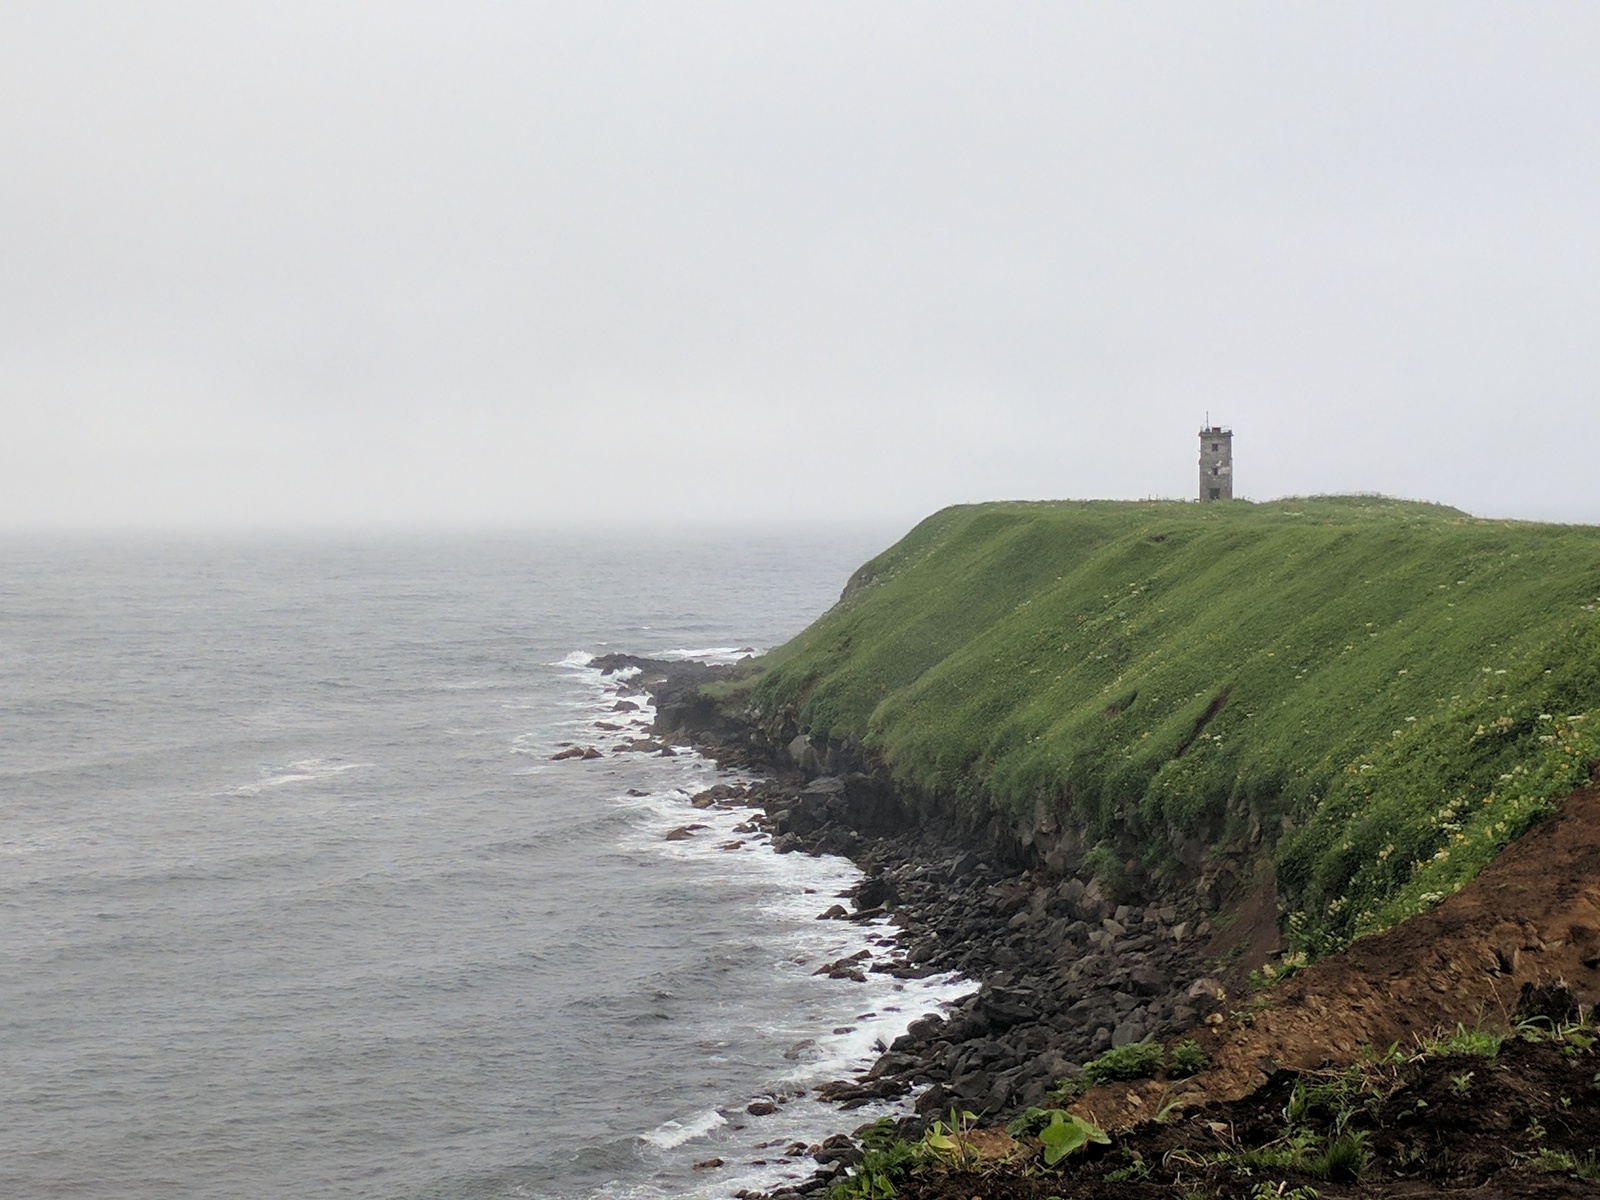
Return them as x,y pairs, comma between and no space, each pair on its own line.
716,655
673,1134
306,770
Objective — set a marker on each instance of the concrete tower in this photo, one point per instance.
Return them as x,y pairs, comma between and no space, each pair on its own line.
1216,463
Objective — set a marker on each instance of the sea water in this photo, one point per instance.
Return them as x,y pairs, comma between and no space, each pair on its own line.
295,902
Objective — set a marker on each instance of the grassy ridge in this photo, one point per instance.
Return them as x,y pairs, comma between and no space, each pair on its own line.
1391,691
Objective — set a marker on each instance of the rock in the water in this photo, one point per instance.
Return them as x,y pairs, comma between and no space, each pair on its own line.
761,1108
837,1149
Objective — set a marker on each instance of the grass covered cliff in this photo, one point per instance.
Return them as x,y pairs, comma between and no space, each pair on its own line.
1377,695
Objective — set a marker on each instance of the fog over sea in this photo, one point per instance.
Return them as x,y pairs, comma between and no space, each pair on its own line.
294,902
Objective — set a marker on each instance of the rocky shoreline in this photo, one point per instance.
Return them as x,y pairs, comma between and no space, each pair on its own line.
1062,970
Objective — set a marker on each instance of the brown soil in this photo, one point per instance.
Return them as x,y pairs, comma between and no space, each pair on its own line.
1532,917
1453,1125
1247,931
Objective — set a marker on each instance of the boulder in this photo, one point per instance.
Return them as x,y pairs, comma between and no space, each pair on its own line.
1148,980
1131,1029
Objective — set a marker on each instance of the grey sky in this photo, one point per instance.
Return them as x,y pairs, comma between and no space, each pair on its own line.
346,263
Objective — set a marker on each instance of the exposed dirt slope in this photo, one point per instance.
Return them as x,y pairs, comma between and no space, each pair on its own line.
1518,1125
1532,917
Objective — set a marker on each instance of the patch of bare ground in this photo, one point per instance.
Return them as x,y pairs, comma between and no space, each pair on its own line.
1532,917
1521,1124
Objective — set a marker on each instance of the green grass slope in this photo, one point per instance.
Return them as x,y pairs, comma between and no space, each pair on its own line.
1387,691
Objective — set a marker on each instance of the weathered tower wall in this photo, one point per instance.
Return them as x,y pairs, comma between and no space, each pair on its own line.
1216,463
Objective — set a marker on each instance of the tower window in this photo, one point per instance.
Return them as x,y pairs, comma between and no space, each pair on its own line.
1215,447
1216,493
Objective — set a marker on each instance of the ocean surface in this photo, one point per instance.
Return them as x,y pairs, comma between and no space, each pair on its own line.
294,902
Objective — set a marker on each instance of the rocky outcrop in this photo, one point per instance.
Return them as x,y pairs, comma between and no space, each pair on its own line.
1062,970
1201,865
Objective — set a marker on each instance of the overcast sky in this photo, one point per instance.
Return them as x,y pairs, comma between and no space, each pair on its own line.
410,263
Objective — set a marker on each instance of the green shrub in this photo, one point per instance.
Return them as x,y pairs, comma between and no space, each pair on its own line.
1186,1059
1342,1160
1477,1041
886,1160
1106,867
1136,1060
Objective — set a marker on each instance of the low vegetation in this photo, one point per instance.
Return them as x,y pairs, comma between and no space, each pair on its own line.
1137,1060
1457,1112
1380,694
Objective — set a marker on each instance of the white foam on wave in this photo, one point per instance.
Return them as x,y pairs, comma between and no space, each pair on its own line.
893,1006
840,1027
715,655
798,888
749,1164
673,1134
467,685
596,703
306,770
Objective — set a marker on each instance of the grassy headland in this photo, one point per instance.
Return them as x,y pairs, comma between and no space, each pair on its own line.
1379,694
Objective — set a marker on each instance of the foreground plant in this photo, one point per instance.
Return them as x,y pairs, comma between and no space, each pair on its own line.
1067,1133
886,1160
948,1143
